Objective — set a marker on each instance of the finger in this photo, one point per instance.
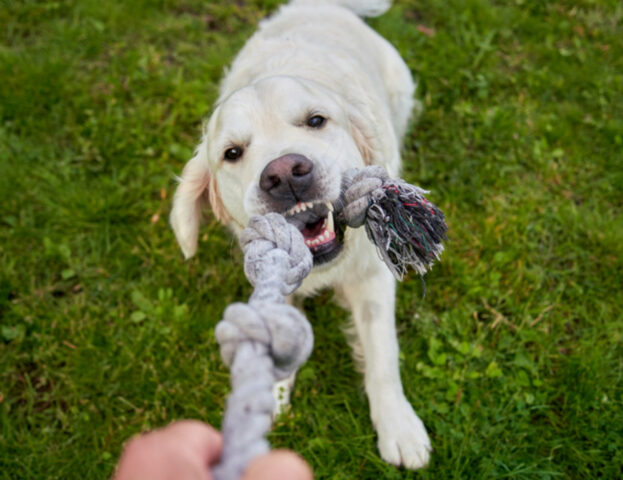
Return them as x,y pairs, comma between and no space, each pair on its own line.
203,440
281,464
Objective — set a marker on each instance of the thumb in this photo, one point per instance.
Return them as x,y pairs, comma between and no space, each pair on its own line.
281,464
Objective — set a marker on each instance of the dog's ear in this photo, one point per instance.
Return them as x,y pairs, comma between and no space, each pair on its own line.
196,189
363,139
374,137
365,131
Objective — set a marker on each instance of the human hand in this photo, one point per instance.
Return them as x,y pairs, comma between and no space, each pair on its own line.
187,449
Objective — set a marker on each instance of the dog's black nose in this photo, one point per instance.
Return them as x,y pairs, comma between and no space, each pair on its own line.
287,177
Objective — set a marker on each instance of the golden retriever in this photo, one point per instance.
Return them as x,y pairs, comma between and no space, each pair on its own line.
313,93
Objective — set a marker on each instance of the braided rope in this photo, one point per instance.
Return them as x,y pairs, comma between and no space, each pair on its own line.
262,341
406,228
266,340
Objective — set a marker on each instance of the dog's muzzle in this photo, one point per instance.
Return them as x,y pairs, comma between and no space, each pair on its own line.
323,235
289,183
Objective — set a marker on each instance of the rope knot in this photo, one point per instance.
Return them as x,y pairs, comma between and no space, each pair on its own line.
281,328
275,254
406,228
358,186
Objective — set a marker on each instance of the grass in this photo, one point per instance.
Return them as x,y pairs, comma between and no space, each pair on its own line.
514,358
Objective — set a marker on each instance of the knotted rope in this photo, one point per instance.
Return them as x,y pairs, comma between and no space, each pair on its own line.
406,228
266,340
262,341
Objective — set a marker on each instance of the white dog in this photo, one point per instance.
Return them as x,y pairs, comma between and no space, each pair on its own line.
313,93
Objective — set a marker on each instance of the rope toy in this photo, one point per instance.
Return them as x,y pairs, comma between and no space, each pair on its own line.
266,340
263,341
405,227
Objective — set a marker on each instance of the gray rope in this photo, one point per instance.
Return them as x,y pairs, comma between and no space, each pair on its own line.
266,340
406,228
358,186
263,341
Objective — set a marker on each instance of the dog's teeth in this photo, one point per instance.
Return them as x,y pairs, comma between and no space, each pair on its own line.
309,205
329,223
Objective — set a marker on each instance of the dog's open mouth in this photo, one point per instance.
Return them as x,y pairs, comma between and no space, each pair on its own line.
323,236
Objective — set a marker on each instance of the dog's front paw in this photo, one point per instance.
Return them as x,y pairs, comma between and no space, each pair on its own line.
281,394
403,440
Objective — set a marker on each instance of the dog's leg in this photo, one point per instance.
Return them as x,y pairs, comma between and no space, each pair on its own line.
281,393
402,438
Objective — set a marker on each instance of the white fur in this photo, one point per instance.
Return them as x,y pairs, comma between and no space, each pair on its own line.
318,57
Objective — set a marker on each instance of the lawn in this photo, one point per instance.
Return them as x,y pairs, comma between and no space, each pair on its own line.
513,359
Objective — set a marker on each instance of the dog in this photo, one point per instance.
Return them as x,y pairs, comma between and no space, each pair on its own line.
313,93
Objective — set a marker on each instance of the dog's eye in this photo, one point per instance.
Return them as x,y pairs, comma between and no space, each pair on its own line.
232,154
316,121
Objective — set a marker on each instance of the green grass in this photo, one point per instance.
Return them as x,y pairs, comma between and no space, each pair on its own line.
514,358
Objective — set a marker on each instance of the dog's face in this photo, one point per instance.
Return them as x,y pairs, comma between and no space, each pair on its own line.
279,145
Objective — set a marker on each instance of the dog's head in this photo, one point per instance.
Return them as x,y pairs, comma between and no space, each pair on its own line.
278,145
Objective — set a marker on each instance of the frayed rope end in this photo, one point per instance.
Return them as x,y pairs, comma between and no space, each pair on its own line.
406,228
